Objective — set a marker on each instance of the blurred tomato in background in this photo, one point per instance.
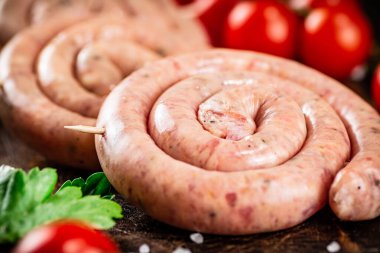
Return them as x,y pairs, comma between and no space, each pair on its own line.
306,5
214,16
335,39
265,26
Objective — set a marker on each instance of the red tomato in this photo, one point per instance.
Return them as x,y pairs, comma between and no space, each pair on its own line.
333,3
376,87
335,40
300,5
213,14
65,237
266,26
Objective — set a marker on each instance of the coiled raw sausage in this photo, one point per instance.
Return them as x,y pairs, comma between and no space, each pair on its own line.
234,142
58,73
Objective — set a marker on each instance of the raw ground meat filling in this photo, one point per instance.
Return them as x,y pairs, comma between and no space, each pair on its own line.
234,142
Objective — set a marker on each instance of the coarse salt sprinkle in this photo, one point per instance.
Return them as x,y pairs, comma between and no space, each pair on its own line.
197,238
333,247
144,248
181,250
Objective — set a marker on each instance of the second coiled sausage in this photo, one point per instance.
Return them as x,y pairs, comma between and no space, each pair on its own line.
58,73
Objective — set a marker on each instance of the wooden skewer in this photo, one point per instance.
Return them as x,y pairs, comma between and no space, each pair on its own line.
87,129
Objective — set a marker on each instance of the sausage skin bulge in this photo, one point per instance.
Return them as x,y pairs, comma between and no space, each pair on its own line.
16,15
180,145
58,73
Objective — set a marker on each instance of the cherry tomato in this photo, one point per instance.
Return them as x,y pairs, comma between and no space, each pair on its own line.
65,237
333,3
307,5
376,87
299,5
266,26
335,40
212,15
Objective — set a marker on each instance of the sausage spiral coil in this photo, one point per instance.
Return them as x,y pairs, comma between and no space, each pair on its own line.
58,73
234,142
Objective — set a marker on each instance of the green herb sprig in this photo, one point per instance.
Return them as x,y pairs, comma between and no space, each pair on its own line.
27,201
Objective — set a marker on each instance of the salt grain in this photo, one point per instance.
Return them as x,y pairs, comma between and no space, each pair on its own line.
197,238
181,250
144,248
333,247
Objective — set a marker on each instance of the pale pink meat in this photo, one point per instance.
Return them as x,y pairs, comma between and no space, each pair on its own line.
57,73
163,15
280,135
159,154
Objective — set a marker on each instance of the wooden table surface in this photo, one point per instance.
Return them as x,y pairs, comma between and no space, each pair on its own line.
136,228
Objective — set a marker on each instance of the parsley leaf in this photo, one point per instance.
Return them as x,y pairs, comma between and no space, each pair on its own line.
5,173
27,201
95,184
